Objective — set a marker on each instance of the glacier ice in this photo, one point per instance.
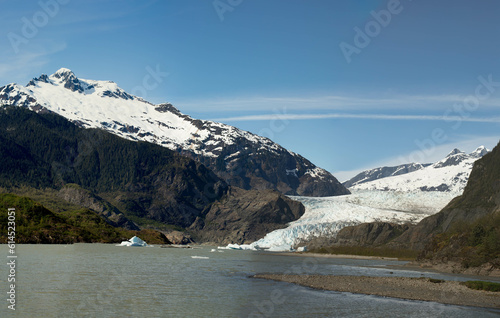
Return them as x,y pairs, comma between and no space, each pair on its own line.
134,241
326,216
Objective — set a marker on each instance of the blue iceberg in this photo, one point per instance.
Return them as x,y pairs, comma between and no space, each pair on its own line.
134,241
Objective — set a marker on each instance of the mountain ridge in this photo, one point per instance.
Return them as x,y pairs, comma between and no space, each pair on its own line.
241,158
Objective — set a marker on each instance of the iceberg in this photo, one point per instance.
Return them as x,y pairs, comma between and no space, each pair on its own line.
134,241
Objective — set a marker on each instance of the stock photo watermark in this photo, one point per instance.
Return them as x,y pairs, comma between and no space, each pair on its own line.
32,25
277,124
11,258
454,116
150,81
364,36
224,6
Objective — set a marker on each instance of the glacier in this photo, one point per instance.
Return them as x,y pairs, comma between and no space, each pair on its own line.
327,215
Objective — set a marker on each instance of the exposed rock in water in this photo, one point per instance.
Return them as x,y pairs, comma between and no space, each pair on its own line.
179,238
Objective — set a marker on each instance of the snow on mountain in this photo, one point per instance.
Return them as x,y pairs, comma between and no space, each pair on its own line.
235,155
408,197
383,172
449,174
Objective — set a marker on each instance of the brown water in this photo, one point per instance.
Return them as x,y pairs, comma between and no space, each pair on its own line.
98,280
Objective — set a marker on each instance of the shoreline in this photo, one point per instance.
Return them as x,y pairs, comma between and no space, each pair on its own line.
421,289
348,256
446,268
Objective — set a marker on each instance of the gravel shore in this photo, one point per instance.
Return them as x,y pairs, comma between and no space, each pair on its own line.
447,292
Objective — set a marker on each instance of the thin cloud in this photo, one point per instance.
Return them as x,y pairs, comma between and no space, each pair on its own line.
357,116
18,67
334,102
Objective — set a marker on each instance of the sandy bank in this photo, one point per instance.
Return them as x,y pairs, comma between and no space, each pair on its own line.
448,292
308,254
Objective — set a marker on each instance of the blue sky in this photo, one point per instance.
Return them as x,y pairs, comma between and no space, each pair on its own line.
350,85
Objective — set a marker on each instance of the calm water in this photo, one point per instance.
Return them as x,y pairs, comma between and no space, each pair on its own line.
98,280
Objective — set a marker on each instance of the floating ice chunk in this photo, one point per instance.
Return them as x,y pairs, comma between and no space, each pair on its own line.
134,241
200,257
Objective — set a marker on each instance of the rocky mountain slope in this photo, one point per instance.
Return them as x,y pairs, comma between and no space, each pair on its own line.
480,199
244,216
447,175
240,158
128,183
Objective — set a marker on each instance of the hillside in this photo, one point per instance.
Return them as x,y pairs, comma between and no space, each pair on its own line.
468,228
128,183
480,198
36,224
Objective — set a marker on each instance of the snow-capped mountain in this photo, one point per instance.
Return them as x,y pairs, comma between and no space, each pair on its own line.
383,172
447,175
241,158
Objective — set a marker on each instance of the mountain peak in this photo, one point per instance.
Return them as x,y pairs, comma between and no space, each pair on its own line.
63,71
454,152
64,74
69,79
479,152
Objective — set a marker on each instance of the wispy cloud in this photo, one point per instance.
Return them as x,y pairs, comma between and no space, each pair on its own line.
356,116
333,102
20,66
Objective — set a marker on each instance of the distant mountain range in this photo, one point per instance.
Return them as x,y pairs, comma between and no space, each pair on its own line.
383,172
239,157
449,174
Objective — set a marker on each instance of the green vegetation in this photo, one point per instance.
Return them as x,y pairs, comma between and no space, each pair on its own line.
471,222
483,186
402,254
36,224
481,285
474,243
142,180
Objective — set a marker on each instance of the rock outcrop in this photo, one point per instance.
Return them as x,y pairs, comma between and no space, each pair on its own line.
244,216
74,194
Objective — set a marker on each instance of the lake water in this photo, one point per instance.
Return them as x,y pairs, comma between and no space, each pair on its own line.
99,280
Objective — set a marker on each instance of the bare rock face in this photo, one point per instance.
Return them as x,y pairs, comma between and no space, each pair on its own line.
244,216
370,234
74,194
373,234
179,238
